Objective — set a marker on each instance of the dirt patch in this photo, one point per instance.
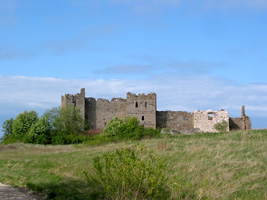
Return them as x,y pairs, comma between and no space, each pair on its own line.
10,193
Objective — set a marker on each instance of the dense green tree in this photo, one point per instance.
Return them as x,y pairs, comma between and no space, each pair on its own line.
7,126
53,116
71,120
23,123
40,132
114,127
66,120
7,130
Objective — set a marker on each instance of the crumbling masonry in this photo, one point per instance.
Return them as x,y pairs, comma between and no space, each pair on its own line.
98,112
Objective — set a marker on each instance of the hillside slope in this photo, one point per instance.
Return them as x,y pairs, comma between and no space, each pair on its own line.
203,166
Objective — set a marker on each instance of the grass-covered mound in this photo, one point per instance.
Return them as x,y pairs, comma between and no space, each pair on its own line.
203,166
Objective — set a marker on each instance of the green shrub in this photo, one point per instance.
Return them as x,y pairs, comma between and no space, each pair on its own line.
222,126
128,129
128,174
114,127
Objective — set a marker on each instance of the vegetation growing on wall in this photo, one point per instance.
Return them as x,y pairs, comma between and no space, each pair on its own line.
222,126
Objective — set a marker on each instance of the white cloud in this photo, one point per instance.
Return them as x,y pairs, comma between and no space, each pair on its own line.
174,92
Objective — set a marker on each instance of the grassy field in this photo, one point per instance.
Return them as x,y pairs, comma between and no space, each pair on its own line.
204,166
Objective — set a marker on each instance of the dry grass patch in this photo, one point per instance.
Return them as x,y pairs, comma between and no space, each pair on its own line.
203,166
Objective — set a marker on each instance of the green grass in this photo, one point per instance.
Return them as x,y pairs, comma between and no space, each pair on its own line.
202,166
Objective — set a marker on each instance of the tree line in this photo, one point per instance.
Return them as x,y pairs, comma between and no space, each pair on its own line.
66,126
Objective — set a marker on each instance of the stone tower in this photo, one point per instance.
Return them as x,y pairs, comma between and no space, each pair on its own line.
77,101
143,107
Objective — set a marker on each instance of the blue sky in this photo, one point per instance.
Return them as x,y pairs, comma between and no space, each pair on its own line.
208,54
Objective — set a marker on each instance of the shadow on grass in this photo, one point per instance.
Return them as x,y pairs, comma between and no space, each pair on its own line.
69,189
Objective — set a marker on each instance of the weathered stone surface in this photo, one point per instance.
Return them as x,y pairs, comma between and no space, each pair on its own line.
240,123
98,112
205,120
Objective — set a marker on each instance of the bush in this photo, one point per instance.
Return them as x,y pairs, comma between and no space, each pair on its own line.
222,126
128,174
114,127
129,129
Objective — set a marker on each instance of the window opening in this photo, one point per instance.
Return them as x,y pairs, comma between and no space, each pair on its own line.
136,104
145,104
143,118
210,116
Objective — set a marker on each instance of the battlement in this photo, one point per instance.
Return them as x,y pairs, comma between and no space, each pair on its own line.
141,96
98,112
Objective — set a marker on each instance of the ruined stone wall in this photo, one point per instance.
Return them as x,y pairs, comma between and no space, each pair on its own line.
175,120
205,120
240,123
143,107
77,101
99,112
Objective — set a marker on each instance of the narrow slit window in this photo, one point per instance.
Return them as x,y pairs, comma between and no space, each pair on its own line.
145,104
143,118
136,104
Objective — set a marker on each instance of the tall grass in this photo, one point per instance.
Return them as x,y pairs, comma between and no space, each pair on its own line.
203,166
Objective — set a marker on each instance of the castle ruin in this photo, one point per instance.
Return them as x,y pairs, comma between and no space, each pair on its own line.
98,112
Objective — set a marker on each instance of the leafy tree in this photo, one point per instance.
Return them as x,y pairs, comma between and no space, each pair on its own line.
7,130
23,123
71,120
114,127
66,120
53,117
7,126
40,132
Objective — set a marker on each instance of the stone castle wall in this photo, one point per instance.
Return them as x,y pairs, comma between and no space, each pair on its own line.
98,112
240,123
175,120
143,107
205,120
77,101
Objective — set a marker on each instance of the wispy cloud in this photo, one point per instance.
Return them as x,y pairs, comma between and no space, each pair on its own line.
154,66
195,66
174,93
126,69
